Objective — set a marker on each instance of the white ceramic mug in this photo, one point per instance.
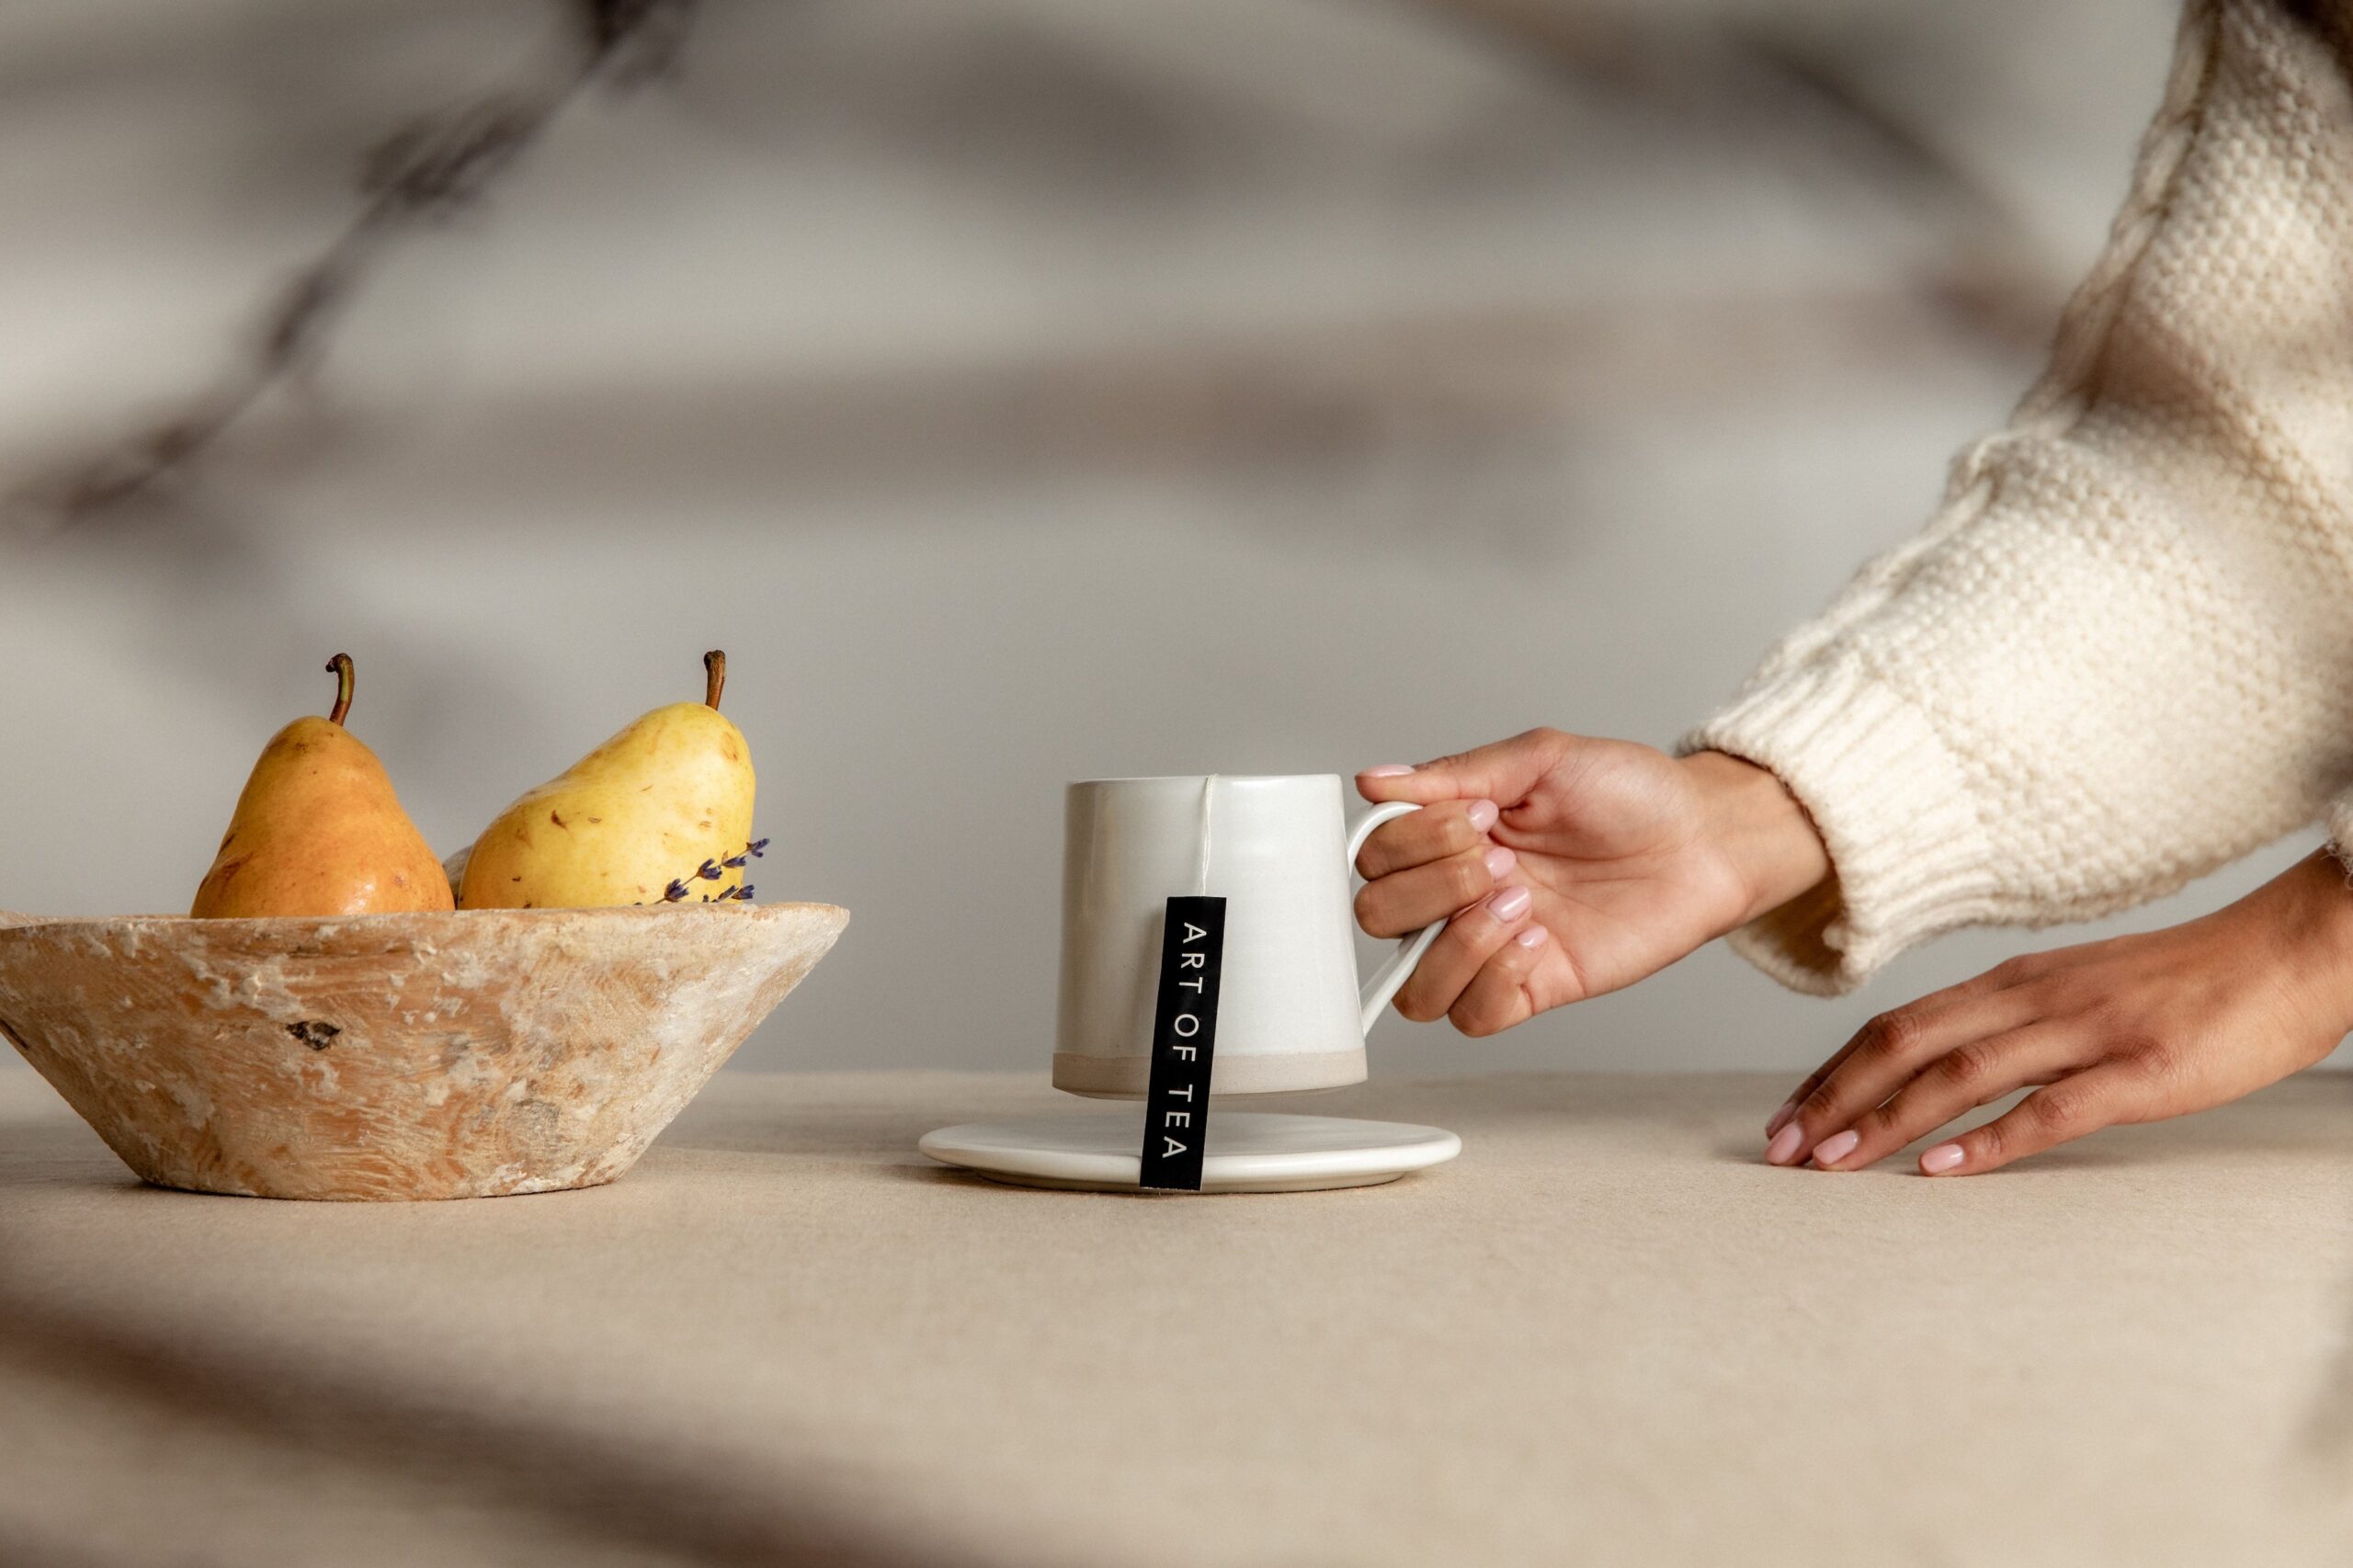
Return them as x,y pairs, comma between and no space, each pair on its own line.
1279,851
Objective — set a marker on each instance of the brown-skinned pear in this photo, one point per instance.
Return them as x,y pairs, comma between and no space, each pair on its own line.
319,831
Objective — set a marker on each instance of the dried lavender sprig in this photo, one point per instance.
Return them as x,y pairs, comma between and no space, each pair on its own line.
751,852
711,871
674,893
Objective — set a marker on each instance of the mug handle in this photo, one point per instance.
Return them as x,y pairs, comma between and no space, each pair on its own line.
1377,992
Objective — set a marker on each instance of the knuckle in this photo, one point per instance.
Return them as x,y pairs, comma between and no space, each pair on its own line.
1869,1142
2145,1054
2011,970
1453,830
1466,881
2062,1109
1416,1007
1476,1019
1969,1067
1878,1122
1890,1036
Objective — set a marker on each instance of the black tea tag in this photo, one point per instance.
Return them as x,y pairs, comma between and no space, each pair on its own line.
1184,1040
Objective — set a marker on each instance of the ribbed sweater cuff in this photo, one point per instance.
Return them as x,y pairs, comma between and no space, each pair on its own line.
2338,820
1908,854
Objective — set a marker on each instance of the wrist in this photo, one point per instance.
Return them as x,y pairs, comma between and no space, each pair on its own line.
2306,919
1765,837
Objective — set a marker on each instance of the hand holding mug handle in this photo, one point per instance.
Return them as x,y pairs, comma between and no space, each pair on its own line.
1377,992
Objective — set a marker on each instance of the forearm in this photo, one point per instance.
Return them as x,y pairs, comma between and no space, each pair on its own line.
2298,930
1759,830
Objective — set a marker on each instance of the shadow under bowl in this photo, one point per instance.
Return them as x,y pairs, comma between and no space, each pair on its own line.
466,1054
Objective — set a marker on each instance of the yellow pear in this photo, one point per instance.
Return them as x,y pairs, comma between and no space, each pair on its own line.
661,812
319,831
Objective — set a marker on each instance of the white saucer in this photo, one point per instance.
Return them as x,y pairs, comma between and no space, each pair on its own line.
1249,1151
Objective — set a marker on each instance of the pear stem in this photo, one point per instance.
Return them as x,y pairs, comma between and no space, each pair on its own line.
714,665
340,667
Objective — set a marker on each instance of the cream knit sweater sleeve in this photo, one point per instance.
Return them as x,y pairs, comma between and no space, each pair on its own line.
2121,655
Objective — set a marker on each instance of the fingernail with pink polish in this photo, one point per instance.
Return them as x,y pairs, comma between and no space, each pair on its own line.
1784,1147
1836,1147
1386,770
1483,814
1942,1158
1781,1118
1499,861
1510,904
1531,938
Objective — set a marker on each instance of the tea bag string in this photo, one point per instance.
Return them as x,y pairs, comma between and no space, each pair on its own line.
1208,807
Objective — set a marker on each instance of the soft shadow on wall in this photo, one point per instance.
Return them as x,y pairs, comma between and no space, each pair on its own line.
1019,391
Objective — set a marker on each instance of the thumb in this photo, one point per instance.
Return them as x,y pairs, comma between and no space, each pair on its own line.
1504,772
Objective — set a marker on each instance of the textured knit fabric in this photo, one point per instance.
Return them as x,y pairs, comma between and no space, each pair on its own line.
2121,655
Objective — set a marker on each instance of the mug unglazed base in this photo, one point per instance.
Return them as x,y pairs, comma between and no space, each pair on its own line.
1127,1077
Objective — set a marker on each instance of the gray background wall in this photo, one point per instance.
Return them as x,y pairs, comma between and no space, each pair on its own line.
1445,368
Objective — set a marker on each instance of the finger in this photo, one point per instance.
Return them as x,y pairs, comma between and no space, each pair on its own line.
1469,939
1811,1082
1498,996
1881,1058
2083,1102
1427,894
1504,772
2003,976
1974,1074
1426,835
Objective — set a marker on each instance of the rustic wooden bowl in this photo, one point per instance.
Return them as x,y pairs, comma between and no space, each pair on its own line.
395,1056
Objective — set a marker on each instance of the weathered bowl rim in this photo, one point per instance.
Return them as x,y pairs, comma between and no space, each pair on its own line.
567,1092
291,927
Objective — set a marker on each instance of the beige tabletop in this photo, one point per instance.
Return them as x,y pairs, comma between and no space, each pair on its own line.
1605,1335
